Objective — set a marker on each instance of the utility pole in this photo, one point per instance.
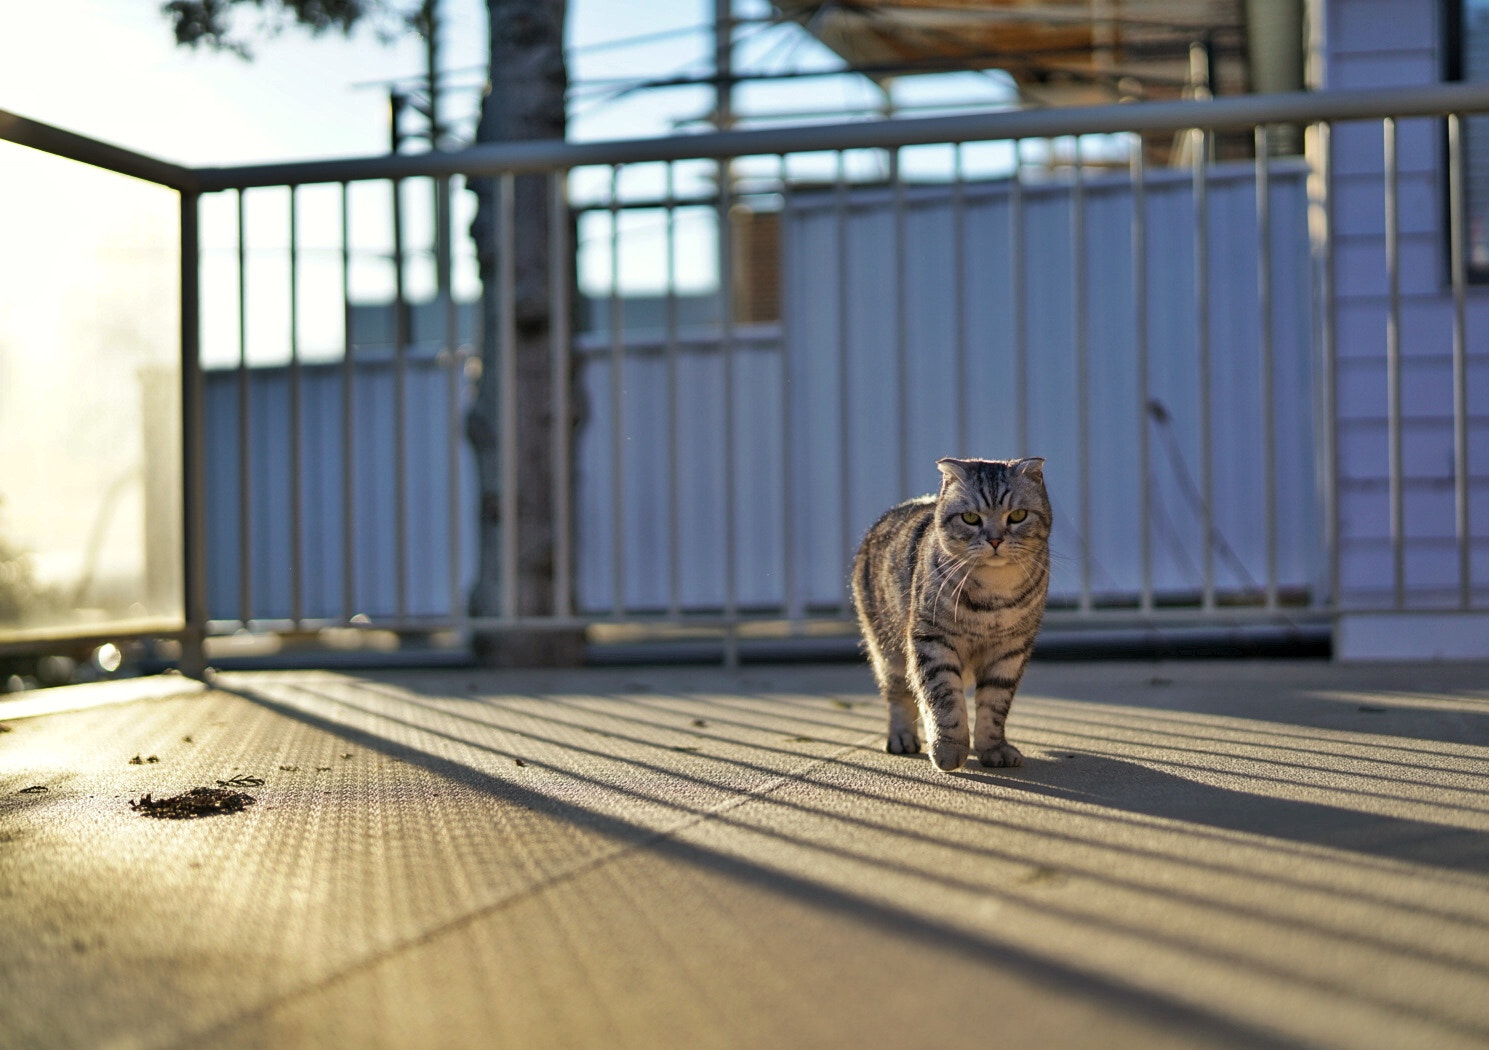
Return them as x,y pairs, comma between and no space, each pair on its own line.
429,26
723,120
723,61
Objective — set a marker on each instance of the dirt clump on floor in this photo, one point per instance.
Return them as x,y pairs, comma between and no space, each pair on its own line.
198,802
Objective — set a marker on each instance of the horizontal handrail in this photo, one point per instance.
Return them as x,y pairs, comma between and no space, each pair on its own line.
72,146
524,157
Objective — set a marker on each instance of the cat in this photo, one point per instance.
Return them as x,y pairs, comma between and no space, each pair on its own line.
950,591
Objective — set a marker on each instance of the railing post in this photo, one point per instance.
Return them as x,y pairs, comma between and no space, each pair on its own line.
193,475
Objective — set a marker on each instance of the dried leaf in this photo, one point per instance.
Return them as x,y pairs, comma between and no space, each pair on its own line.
242,780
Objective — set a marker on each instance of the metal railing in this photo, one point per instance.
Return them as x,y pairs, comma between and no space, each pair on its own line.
1216,460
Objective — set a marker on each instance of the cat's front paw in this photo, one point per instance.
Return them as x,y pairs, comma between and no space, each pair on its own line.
902,742
999,755
949,756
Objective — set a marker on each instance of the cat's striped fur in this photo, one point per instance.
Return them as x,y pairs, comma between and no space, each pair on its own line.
949,591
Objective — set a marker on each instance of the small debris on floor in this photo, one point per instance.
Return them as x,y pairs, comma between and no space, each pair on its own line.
242,780
685,749
1371,709
323,769
290,769
519,761
186,740
700,723
34,789
347,755
845,705
138,761
1043,875
198,802
4,728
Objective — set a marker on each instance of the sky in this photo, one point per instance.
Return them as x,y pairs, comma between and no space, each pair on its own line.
120,76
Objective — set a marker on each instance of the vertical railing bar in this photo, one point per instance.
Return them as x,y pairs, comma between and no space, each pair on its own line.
1082,363
245,459
959,294
1202,331
1139,177
1321,221
845,460
791,603
1459,267
455,372
559,261
297,505
1268,354
348,419
507,392
617,406
1393,367
1459,279
400,411
1020,307
674,446
726,335
194,596
901,329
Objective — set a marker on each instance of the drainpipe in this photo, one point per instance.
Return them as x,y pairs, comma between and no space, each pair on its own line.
1274,48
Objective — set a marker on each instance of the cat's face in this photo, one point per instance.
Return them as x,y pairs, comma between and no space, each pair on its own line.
993,511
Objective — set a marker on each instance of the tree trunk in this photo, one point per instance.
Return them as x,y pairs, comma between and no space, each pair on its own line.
526,101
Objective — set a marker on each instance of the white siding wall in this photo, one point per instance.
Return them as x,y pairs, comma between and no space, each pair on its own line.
1380,43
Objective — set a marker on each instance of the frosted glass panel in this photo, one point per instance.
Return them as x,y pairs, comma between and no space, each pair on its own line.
90,427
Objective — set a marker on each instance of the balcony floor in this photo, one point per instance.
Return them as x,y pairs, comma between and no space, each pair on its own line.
1192,855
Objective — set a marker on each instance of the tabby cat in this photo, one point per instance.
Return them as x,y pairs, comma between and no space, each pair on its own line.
949,591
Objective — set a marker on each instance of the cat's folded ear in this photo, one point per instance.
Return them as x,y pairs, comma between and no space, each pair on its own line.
952,469
1032,468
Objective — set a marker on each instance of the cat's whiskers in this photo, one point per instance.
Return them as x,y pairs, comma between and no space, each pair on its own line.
956,597
950,570
1025,561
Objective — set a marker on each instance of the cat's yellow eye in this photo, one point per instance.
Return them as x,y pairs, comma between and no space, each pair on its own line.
1016,516
971,519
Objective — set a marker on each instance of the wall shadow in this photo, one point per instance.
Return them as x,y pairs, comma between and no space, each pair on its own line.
1135,788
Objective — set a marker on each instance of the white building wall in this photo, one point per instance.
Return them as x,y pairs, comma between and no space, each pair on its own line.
1373,44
